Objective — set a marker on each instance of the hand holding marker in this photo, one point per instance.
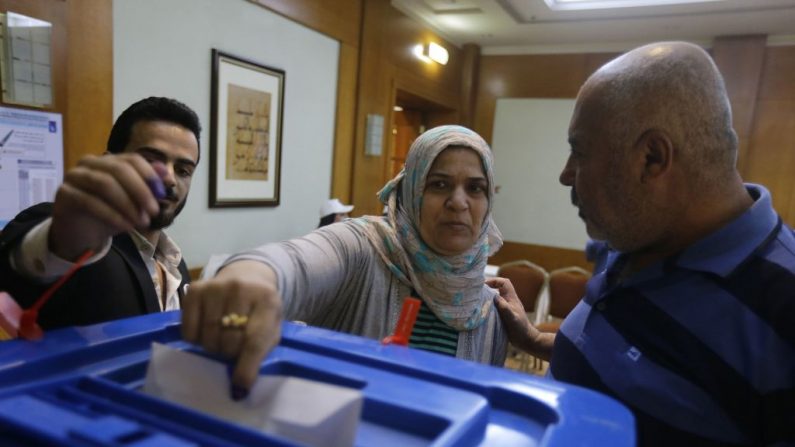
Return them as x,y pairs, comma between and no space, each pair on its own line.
156,184
15,322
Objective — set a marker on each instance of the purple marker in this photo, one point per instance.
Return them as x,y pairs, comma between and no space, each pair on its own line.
156,183
157,188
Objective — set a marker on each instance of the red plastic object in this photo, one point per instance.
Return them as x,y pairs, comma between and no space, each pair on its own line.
405,324
14,322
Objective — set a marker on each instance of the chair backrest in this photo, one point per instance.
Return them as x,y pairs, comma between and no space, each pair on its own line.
528,280
566,289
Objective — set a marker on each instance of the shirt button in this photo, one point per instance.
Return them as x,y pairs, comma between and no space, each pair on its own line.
601,306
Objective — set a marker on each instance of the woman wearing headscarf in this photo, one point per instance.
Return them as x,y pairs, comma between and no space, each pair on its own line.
433,244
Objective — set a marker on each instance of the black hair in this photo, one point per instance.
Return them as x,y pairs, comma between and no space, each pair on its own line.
327,219
151,109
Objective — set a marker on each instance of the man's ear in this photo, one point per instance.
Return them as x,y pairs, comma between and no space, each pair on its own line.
658,152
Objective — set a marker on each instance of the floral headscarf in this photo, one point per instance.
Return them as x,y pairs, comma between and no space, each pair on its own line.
451,286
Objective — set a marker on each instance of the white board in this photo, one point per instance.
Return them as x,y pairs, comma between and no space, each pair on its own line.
530,149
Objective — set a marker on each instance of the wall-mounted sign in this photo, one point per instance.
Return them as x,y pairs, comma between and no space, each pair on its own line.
31,159
374,135
25,61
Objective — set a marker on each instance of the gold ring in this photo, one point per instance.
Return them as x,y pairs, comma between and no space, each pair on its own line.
233,320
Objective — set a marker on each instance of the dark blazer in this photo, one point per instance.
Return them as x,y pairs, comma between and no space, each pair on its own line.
116,286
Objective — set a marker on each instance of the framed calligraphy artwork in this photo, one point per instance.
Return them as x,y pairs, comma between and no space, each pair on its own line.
245,132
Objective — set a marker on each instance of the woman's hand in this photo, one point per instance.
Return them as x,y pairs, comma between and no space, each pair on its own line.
244,288
521,333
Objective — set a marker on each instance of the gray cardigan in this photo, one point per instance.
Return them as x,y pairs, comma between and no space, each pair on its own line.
333,278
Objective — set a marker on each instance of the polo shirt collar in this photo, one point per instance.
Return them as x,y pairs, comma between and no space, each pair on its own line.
724,250
720,252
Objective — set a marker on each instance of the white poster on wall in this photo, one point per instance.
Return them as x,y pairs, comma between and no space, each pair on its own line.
31,159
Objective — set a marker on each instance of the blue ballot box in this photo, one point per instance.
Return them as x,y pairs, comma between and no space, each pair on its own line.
81,387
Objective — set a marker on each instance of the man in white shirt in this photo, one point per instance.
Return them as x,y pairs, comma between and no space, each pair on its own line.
116,206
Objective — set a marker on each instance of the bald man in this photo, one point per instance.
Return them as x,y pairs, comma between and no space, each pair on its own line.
692,322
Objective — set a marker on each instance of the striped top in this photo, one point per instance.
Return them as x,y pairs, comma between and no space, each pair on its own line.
700,346
431,334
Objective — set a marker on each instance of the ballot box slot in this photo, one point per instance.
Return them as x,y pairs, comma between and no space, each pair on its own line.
287,368
61,413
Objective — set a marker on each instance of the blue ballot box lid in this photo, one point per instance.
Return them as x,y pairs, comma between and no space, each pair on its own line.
80,387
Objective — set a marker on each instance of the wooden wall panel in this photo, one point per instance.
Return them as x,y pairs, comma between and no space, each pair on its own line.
771,153
387,64
470,72
82,69
195,273
772,161
435,90
344,134
375,95
339,19
778,74
740,60
406,129
595,60
89,108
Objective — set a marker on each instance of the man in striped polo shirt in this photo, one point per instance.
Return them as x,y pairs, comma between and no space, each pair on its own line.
692,322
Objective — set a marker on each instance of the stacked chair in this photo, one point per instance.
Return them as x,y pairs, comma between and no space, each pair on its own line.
547,298
566,288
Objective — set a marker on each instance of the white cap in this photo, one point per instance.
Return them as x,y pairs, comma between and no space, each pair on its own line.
334,206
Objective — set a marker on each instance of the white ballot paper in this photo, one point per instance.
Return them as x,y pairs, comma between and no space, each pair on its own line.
305,411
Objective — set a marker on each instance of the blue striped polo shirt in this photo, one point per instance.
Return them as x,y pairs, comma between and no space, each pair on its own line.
701,346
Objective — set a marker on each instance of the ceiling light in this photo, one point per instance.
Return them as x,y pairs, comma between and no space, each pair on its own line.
419,51
431,52
562,5
397,109
437,53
